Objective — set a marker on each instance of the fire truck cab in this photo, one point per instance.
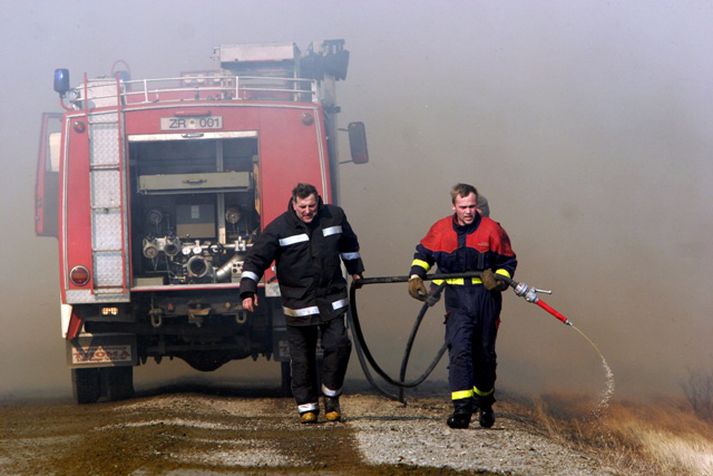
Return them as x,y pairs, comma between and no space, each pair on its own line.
157,188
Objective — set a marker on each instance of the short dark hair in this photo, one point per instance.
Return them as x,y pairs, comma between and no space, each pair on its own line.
463,190
304,190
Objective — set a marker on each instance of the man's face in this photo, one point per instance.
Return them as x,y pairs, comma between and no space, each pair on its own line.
305,208
465,209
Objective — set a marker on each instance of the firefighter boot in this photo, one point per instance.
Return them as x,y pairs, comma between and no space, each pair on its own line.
486,416
308,417
332,411
462,411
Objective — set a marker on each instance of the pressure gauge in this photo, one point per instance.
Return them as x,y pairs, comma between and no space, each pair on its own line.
232,215
155,216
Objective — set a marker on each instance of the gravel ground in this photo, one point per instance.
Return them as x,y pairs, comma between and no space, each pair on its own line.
389,433
195,433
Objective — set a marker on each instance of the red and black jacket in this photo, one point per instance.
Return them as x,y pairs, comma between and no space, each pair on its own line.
458,249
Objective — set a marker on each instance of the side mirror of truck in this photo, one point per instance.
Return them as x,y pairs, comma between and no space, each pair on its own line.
357,142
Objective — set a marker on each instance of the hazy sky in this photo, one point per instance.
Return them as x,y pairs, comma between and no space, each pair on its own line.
587,124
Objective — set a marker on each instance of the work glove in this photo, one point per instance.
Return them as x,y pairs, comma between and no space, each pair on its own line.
417,289
491,283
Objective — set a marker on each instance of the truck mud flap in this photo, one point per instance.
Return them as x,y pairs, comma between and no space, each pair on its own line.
102,351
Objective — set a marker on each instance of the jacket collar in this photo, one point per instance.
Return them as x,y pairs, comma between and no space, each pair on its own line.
466,228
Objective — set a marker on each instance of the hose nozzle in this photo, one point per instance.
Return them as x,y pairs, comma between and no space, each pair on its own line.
530,295
528,292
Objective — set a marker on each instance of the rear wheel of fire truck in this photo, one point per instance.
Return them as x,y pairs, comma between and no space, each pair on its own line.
86,387
286,384
118,382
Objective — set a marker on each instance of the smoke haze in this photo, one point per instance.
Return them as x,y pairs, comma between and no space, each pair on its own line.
586,124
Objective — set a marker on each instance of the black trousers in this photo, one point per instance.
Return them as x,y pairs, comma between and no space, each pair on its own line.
303,359
473,317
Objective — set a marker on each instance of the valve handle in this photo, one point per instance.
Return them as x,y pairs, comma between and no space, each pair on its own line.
543,291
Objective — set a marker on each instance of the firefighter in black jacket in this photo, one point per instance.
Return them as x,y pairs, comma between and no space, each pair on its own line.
306,243
468,241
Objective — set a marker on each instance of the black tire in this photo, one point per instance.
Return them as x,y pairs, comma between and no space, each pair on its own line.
118,382
286,382
86,387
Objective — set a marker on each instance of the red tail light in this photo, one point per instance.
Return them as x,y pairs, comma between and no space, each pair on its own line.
79,275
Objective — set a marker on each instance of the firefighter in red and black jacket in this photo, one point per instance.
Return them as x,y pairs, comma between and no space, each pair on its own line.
306,243
467,241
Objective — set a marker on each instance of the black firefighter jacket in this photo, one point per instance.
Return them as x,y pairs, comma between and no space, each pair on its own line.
307,257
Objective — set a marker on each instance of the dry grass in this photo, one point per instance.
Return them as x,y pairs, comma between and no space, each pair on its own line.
699,392
665,437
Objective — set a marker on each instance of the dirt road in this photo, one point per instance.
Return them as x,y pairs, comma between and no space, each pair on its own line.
181,432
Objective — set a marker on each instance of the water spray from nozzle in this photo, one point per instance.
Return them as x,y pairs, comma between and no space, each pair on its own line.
530,295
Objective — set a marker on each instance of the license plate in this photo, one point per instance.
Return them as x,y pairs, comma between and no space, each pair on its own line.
191,123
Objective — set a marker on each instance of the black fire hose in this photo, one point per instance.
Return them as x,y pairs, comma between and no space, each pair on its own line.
433,297
362,349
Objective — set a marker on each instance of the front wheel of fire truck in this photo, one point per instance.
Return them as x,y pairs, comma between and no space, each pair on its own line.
86,387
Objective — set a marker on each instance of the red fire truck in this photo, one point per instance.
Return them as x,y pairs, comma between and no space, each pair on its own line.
156,189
